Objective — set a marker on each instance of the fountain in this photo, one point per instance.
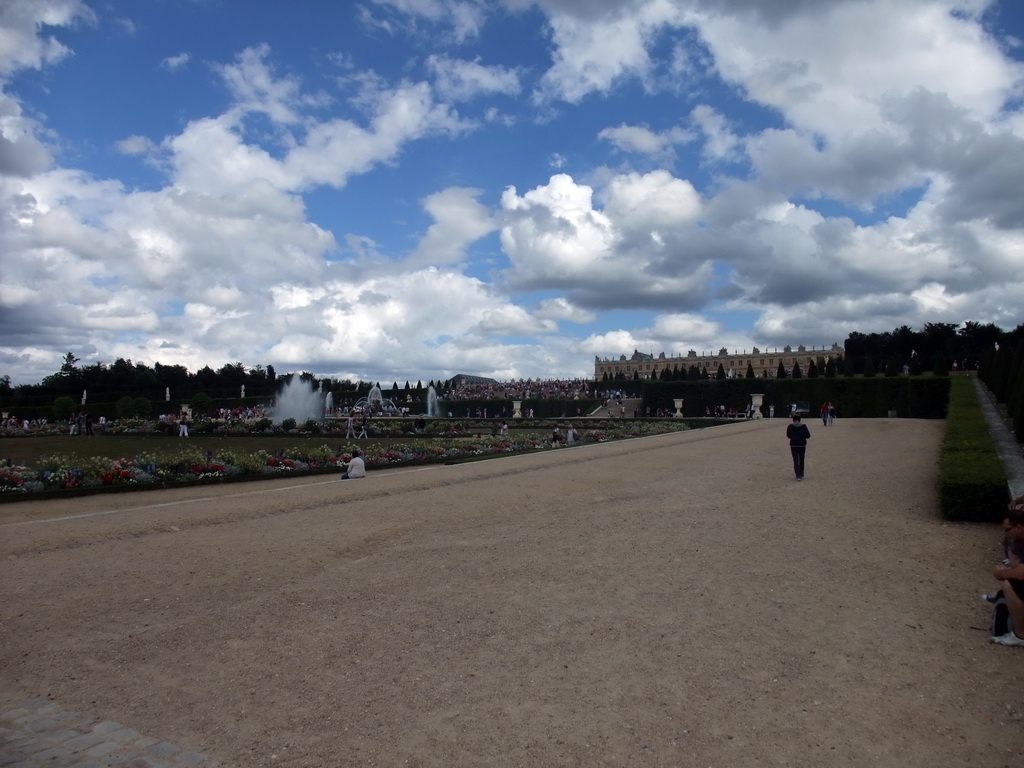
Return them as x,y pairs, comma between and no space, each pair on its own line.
433,409
376,404
298,400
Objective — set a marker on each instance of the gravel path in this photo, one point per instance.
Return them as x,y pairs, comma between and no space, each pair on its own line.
672,601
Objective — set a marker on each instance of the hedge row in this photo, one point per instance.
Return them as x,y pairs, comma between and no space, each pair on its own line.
914,397
972,481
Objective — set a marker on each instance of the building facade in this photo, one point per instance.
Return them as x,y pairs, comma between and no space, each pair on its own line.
765,364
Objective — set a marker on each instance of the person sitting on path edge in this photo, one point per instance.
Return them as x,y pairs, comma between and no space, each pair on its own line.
798,435
356,467
1011,574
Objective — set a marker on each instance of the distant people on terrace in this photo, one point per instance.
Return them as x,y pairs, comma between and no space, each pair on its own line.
520,390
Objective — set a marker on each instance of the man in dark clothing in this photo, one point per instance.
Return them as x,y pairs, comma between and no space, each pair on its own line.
798,435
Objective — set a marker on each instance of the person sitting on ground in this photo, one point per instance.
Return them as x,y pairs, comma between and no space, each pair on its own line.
1013,553
1011,576
356,467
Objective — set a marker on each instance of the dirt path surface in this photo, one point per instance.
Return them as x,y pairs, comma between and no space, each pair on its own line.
672,601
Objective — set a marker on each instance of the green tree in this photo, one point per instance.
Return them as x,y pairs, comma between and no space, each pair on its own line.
830,368
125,407
780,373
720,375
812,370
869,368
797,373
892,368
750,371
63,408
201,403
142,407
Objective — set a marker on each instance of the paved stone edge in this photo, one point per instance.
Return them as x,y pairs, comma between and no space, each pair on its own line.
1007,447
38,732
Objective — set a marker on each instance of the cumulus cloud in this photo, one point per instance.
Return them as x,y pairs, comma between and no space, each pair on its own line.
861,173
213,155
557,240
593,54
21,44
462,80
642,140
458,221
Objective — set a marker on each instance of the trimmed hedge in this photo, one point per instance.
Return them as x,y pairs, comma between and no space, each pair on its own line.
972,481
914,397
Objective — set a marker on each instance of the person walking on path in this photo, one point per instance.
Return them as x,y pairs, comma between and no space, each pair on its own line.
798,435
350,425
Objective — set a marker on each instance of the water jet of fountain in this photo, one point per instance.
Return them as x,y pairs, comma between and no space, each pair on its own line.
298,400
433,409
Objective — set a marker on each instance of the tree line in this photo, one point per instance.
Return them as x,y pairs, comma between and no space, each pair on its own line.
108,383
935,348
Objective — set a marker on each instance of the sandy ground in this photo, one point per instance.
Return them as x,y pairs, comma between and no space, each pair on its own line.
671,601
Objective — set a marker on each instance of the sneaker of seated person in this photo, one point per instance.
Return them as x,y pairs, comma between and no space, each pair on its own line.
1009,639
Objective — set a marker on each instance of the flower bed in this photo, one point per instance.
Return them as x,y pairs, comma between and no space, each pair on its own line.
61,473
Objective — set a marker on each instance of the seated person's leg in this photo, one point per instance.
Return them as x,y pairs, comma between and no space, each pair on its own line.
1012,589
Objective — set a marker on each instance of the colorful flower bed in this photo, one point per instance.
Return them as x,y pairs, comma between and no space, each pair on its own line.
190,464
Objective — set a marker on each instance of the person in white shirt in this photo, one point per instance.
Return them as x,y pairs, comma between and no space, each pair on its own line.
356,467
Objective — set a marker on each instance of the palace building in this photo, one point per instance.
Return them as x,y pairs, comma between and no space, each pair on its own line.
765,364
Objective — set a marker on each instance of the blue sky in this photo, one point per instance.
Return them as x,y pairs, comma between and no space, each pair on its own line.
408,189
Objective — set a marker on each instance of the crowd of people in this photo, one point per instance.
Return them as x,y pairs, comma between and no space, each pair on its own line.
521,390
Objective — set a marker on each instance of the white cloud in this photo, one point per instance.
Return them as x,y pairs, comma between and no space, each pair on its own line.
21,45
642,140
462,80
174,63
562,309
652,202
827,70
463,18
557,240
459,220
511,320
852,108
21,152
592,55
255,87
720,144
136,145
212,154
